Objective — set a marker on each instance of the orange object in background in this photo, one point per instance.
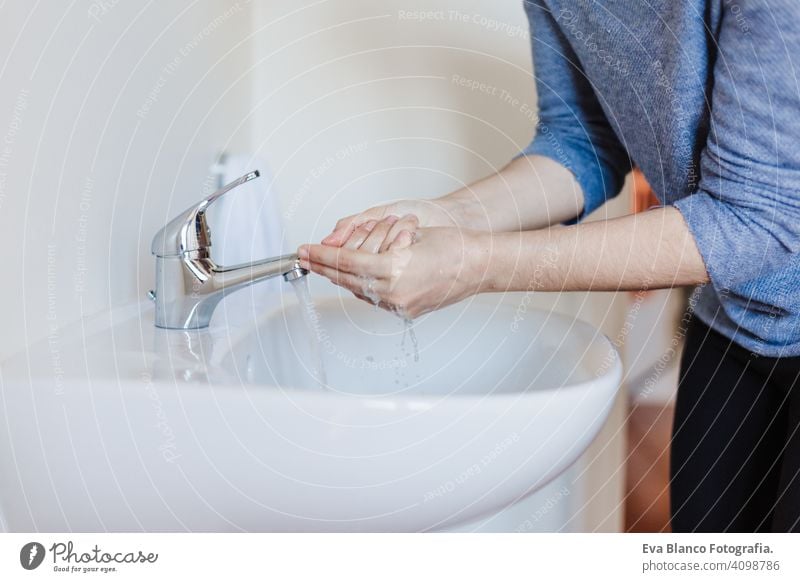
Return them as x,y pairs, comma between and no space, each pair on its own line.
643,196
648,431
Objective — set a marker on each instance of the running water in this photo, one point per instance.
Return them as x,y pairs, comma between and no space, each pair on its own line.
311,319
408,330
402,378
368,291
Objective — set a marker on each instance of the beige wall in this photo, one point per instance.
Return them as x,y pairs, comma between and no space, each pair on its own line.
366,85
111,113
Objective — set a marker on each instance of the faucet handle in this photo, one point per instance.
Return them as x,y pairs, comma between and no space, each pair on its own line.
189,231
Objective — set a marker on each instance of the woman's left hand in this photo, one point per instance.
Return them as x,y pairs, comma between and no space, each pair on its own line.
420,272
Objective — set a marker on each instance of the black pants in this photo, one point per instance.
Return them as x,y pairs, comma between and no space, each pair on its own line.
735,455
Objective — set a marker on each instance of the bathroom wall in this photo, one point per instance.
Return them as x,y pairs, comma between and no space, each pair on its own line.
110,115
360,102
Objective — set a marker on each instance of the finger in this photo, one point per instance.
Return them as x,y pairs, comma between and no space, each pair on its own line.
365,299
375,239
347,260
359,286
359,235
403,239
342,231
381,304
408,222
345,227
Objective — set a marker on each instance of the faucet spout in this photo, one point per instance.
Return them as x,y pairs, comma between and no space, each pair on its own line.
189,284
240,275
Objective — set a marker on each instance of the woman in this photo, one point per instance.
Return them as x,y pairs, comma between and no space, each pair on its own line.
703,96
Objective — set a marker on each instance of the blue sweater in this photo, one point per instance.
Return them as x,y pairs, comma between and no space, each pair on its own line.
703,96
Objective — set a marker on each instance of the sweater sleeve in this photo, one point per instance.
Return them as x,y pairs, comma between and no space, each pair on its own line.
572,128
745,215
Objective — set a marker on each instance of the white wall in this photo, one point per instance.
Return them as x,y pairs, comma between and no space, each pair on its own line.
355,103
110,114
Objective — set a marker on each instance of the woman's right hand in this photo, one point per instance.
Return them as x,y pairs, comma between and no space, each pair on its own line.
375,229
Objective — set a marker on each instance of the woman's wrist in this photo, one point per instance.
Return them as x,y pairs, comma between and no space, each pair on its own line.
515,261
480,267
465,210
530,193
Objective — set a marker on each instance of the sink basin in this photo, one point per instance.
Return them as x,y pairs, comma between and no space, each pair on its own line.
116,425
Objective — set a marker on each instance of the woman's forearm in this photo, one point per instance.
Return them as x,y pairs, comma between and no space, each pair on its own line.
433,267
654,249
531,192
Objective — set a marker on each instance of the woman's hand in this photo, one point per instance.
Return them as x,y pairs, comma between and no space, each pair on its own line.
375,229
530,193
376,236
419,272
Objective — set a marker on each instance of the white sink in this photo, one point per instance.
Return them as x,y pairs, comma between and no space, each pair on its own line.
115,425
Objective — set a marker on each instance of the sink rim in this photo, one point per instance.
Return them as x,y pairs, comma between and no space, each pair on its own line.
229,337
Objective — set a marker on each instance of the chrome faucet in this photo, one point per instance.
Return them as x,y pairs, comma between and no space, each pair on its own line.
189,285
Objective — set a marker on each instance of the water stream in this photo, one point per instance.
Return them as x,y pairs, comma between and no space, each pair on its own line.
311,319
408,330
367,289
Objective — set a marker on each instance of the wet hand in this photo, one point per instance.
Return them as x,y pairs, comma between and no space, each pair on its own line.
376,236
418,272
353,231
